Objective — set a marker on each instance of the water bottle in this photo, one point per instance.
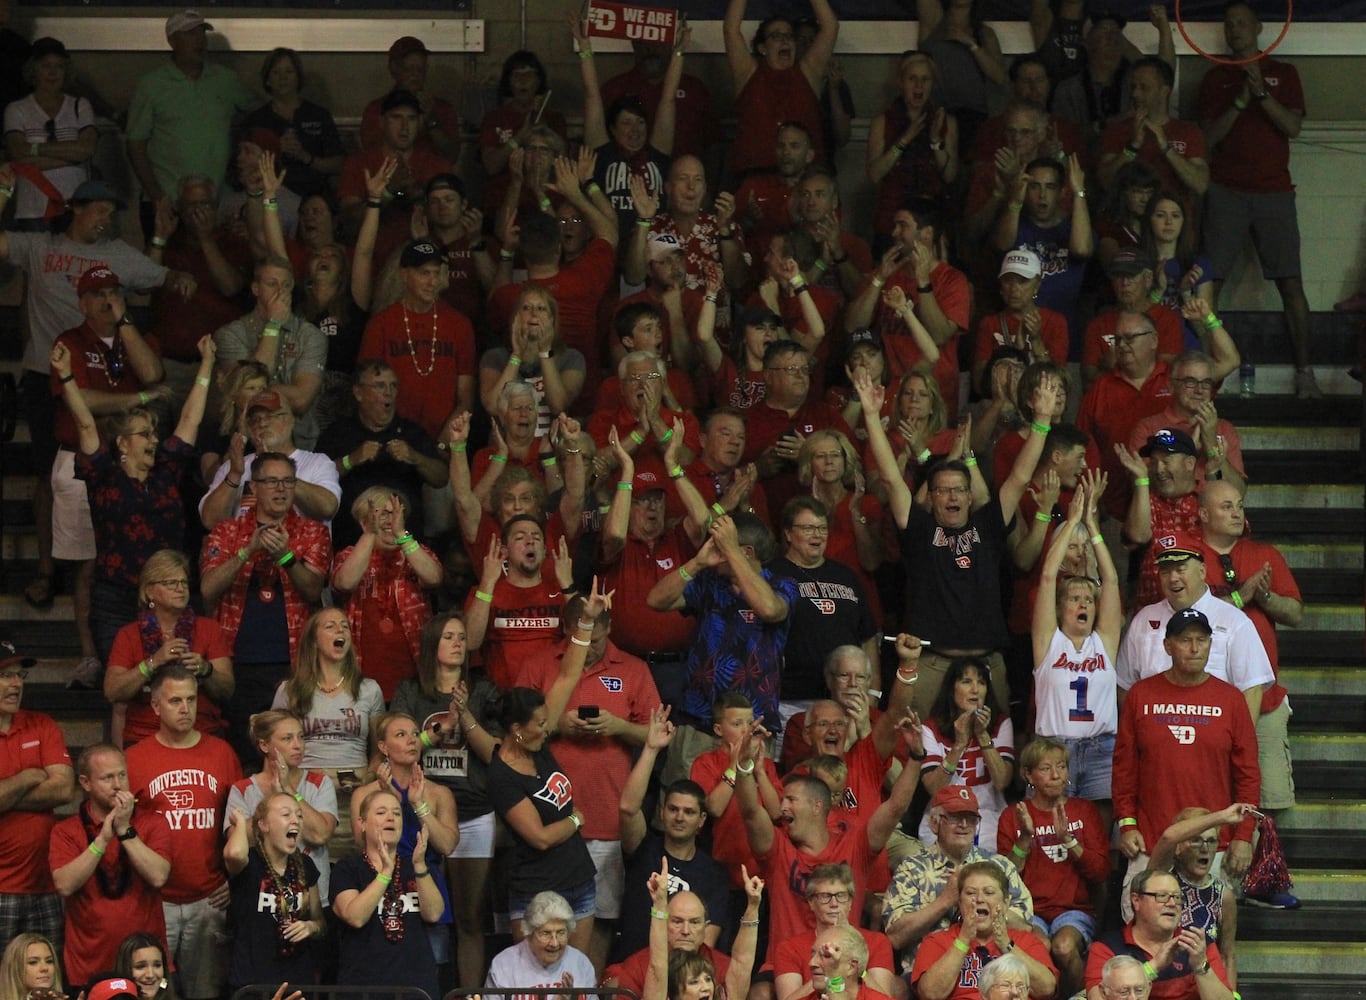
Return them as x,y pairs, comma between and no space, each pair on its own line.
1247,379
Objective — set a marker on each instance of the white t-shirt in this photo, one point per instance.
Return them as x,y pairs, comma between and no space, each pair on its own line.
1074,689
972,771
311,466
517,967
27,118
337,727
1236,652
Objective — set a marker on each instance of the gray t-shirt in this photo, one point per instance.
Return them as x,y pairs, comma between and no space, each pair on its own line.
303,351
53,264
337,728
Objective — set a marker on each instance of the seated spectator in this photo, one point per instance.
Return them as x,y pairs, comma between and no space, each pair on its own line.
1064,449
1218,446
865,351
49,137
737,379
279,739
773,84
997,177
291,348
538,356
640,414
677,307
167,631
1169,503
913,145
269,430
1031,82
543,958
310,146
277,917
1131,277
696,127
763,197
997,419
1175,149
331,697
1181,955
514,443
808,312
838,962
455,703
269,553
242,202
848,676
964,746
948,959
142,959
536,799
830,894
436,380
1060,846
717,472
1123,211
1098,92
968,56
381,899
1181,270
642,326
385,576
920,899
132,849
845,256
828,463
39,772
1021,322
686,923
457,228
523,115
438,127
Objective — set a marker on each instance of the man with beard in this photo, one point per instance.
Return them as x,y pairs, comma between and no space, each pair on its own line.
763,199
185,775
265,570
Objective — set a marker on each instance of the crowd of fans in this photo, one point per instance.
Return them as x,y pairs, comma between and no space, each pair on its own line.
637,559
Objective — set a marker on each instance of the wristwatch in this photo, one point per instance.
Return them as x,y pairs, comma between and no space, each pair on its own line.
129,834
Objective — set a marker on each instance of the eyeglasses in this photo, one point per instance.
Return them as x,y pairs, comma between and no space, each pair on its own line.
181,584
645,377
1129,338
1127,991
1162,897
793,369
843,896
14,674
950,491
275,482
1203,841
149,433
962,819
1196,383
573,219
812,529
546,935
1014,989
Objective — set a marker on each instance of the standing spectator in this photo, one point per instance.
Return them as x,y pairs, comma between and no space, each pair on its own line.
764,198
379,449
435,367
49,137
717,473
1181,270
967,55
845,257
186,775
180,115
166,630
1124,211
538,355
1100,92
1249,114
1175,149
107,846
1218,446
310,146
457,228
1031,82
293,350
385,576
1166,500
773,84
265,569
439,121
1022,323
38,778
696,127
1193,730
523,115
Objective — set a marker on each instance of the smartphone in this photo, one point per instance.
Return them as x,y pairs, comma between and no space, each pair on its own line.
348,779
588,711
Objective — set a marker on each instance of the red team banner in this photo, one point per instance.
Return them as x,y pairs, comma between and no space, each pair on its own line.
632,22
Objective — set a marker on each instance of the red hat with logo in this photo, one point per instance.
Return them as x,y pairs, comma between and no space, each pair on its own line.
96,279
956,800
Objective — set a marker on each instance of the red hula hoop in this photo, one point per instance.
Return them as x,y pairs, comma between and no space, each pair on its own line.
1181,27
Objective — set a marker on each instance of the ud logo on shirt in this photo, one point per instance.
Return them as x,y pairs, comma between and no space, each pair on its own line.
825,607
557,790
1185,735
612,684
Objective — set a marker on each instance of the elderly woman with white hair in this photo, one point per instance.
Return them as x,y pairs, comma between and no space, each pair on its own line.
513,441
1007,976
544,957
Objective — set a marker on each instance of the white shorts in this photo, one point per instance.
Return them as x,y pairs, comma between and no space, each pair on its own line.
610,882
73,535
476,838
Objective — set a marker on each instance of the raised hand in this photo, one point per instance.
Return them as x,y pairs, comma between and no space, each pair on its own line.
660,731
1133,464
378,182
646,203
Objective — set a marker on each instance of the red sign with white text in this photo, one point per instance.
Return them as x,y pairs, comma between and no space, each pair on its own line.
632,22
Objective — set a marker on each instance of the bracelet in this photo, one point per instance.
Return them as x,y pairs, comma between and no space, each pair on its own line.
1096,539
820,266
635,436
409,547
923,457
1150,972
1240,104
1016,207
676,472
96,849
970,461
512,143
201,380
270,331
543,355
579,642
710,297
958,943
1070,843
718,510
1155,296
68,378
298,796
1213,322
625,487
897,148
755,923
948,770
346,462
158,242
1237,599
683,572
644,222
587,624
506,254
729,775
548,461
988,745
425,739
271,205
740,769
907,680
142,398
256,194
576,819
422,810
458,447
502,459
480,595
585,53
1081,194
658,914
7,192
1142,481
286,560
593,188
374,203
383,878
425,873
1129,154
145,669
878,281
242,554
1042,518
237,485
1128,821
515,361
1039,428
1015,850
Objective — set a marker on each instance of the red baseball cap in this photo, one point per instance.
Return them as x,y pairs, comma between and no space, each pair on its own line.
956,800
95,279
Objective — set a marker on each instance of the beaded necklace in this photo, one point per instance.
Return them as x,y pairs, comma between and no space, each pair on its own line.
412,351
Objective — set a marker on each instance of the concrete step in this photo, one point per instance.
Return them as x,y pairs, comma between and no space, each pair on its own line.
1270,409
1315,885
1333,618
1313,922
1282,438
1328,713
1333,682
1303,496
1293,986
1318,555
1318,749
1340,816
1315,521
1339,960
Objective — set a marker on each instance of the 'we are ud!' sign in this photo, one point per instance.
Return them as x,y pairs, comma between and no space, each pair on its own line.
631,22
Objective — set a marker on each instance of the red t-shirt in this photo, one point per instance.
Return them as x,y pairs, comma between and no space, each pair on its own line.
497,127
523,622
786,869
630,973
1182,745
189,787
1185,138
395,226
935,945
489,529
1108,410
769,98
1057,882
127,652
429,351
730,842
621,684
96,924
765,424
954,297
636,626
32,740
1098,344
761,207
578,287
371,127
1255,154
1000,328
695,126
712,485
96,366
794,955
